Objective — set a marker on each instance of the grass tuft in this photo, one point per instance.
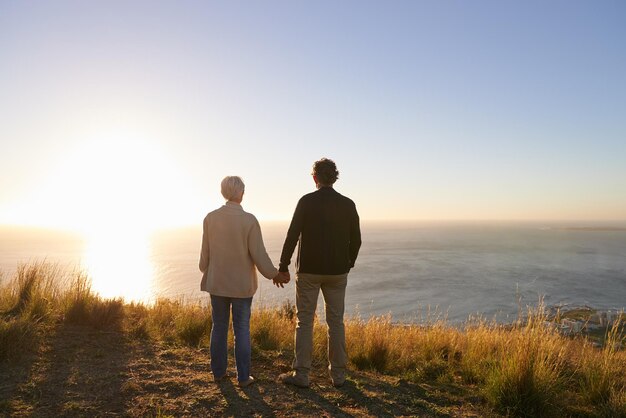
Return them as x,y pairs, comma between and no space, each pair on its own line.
600,382
529,374
288,310
264,333
136,321
107,314
16,336
192,325
372,351
82,307
33,291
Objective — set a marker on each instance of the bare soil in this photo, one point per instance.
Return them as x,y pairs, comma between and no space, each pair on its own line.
77,371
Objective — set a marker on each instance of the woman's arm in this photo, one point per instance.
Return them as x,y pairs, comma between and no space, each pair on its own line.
204,252
258,252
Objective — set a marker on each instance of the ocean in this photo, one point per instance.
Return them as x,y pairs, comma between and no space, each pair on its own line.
409,270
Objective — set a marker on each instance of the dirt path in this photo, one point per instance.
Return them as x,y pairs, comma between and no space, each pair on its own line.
78,371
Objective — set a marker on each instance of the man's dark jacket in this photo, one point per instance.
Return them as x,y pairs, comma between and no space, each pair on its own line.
326,226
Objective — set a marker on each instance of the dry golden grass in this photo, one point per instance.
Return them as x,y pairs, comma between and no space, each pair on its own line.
267,330
522,369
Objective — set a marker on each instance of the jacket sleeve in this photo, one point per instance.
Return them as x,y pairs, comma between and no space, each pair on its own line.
355,236
259,254
293,235
204,252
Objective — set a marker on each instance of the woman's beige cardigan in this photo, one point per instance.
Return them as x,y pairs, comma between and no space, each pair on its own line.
232,245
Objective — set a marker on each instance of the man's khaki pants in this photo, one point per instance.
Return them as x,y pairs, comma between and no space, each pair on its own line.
334,290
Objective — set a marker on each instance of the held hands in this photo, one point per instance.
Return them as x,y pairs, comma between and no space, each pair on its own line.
281,279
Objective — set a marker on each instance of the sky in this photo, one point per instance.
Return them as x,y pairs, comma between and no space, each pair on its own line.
129,114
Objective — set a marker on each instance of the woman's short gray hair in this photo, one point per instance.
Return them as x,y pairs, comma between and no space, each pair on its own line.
232,187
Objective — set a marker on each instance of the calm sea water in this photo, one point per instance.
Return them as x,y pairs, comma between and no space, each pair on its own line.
456,269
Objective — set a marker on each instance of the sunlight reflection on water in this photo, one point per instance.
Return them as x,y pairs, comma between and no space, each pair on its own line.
120,267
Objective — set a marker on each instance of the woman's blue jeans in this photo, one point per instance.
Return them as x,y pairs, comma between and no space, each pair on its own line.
220,311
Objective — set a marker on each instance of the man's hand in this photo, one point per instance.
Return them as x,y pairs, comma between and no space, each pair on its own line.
278,280
281,279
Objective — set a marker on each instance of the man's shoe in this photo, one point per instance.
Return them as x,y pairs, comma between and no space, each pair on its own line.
246,383
293,379
338,377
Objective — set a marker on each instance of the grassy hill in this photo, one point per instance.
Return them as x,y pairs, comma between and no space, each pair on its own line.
64,351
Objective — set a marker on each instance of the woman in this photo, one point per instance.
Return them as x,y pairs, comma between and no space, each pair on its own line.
232,246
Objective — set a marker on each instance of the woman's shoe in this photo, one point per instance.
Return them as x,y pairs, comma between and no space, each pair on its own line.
246,383
217,379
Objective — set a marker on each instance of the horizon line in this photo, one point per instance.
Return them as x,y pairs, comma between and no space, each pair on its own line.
363,220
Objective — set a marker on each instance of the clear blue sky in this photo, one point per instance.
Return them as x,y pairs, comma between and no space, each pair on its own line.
431,109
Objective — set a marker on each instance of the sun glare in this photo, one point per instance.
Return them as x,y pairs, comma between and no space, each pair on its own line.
120,266
111,181
115,190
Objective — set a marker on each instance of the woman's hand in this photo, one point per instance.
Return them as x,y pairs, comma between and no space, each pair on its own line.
281,279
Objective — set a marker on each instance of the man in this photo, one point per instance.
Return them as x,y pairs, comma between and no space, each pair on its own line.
326,227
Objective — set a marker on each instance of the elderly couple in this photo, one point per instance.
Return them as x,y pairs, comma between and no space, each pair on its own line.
326,227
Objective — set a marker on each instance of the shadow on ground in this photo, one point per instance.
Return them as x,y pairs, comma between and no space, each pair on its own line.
76,371
80,371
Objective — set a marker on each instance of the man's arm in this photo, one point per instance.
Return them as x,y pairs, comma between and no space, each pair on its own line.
293,234
355,236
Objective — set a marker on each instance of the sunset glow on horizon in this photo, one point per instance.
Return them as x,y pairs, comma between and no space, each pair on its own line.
123,118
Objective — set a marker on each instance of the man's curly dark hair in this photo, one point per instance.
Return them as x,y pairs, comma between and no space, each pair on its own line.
325,171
